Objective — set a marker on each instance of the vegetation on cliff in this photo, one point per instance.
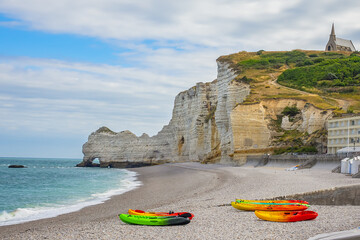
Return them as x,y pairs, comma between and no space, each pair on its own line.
291,111
105,130
341,72
327,80
293,141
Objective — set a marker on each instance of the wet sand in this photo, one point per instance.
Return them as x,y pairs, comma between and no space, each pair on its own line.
206,191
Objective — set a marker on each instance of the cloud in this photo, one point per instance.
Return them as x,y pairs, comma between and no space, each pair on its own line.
212,23
10,24
47,95
162,47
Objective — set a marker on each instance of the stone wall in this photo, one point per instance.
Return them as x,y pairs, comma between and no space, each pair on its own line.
290,160
349,195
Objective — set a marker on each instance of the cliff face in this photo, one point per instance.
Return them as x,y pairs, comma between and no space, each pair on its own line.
209,124
254,129
190,135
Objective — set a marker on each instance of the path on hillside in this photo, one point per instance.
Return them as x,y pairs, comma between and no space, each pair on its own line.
344,104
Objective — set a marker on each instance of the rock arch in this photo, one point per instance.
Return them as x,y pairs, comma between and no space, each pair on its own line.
90,162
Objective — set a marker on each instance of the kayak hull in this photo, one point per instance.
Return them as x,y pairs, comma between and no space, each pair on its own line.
153,220
267,207
173,214
273,201
286,216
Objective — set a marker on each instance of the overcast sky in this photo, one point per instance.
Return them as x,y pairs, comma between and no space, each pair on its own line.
68,67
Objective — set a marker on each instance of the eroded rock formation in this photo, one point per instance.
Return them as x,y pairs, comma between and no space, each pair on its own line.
209,124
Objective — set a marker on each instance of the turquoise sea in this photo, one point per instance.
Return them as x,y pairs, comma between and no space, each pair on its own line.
50,187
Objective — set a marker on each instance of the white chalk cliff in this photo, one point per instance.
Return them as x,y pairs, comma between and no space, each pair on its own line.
208,124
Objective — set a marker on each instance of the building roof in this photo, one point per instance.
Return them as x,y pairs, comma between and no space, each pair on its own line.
345,116
345,43
349,149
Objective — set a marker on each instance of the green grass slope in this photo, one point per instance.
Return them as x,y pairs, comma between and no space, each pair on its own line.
328,80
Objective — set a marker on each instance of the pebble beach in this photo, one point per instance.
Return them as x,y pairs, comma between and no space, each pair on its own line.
206,191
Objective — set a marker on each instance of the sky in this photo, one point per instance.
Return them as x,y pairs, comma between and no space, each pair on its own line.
68,68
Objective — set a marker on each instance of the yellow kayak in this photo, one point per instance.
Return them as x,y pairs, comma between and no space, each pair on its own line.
268,207
273,201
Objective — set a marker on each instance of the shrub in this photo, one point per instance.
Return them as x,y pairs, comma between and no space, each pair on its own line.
330,76
350,110
274,60
296,149
254,63
290,111
307,62
260,52
306,149
243,79
341,71
211,114
324,83
318,60
332,54
355,53
341,89
338,82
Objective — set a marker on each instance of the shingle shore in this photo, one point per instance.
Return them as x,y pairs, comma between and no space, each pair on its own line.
206,191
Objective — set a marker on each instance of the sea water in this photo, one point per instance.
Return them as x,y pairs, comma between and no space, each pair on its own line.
50,187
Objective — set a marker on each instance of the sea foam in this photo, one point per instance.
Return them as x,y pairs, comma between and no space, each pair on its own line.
22,215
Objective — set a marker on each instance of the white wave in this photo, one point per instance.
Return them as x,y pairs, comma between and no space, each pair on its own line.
22,215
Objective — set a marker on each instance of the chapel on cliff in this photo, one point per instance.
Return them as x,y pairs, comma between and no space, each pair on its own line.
339,44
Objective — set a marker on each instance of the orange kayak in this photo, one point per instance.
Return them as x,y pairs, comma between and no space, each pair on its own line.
286,216
246,206
165,214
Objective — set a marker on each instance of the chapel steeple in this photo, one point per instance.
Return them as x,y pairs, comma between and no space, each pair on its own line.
338,44
332,34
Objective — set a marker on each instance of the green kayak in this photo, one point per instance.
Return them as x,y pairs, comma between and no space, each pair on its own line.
153,220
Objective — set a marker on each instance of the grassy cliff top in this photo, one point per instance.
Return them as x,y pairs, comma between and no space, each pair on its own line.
328,80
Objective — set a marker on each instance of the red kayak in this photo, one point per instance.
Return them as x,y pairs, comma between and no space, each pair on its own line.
286,216
143,213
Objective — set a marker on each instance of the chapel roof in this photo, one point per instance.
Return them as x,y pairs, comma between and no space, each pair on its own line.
345,43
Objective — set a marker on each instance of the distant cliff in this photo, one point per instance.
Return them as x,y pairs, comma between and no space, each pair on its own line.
240,113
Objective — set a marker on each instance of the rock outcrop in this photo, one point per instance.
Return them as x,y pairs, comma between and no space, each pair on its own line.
16,166
209,123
